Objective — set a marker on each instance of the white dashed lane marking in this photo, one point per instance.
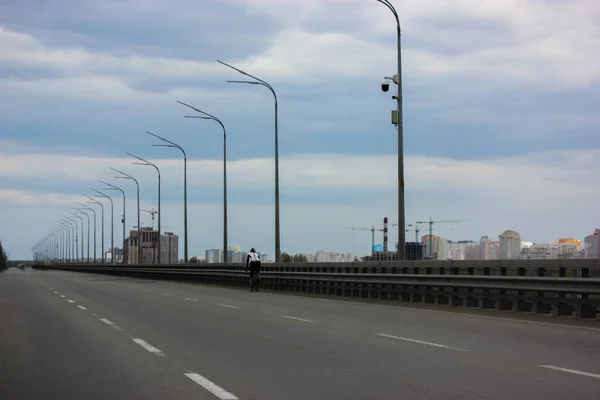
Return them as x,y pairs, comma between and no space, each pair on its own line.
571,371
190,299
405,339
228,306
148,347
107,322
211,387
296,318
82,308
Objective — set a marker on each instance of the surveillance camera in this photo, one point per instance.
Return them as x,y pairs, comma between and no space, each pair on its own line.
385,85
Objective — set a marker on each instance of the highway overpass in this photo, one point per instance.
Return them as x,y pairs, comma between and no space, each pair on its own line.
69,335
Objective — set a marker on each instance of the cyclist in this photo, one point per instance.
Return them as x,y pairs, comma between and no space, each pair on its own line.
253,261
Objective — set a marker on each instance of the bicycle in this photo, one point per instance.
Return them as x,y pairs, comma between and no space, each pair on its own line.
254,280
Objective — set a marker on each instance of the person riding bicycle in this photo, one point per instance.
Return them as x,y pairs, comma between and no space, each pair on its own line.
253,261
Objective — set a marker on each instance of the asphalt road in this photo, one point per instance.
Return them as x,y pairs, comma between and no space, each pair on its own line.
67,335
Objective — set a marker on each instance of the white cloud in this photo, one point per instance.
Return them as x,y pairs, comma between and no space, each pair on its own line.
537,44
552,177
531,176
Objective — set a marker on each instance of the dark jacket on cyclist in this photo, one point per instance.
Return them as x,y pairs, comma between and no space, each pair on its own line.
253,260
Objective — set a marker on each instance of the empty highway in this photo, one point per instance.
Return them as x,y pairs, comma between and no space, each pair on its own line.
66,335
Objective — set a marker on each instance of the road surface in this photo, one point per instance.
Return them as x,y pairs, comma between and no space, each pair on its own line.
66,335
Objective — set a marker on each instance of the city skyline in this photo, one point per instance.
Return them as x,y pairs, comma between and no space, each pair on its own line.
500,122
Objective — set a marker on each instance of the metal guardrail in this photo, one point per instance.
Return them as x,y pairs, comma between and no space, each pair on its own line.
558,289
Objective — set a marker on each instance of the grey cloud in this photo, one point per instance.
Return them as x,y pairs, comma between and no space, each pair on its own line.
211,28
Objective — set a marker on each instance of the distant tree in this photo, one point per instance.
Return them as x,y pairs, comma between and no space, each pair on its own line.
300,258
193,260
285,257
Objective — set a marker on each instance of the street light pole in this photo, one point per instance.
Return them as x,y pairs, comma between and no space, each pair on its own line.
67,231
258,81
185,217
148,163
88,231
101,222
81,219
74,254
94,212
113,187
139,228
211,117
401,211
112,225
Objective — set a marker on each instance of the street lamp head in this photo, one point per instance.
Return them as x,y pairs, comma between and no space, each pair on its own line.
248,82
232,67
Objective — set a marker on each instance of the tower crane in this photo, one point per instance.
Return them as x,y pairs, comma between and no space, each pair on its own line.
373,229
153,213
431,222
416,230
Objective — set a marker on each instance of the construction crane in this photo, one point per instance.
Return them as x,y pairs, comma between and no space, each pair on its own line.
153,213
431,222
416,230
373,229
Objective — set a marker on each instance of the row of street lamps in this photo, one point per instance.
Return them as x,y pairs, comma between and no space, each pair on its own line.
51,239
204,115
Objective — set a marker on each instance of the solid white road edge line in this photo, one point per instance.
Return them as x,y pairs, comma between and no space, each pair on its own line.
107,322
296,318
571,371
211,387
228,306
148,347
385,335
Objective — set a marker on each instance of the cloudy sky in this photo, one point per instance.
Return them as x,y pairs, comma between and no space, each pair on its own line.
501,118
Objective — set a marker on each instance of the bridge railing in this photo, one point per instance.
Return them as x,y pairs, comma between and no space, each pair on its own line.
555,287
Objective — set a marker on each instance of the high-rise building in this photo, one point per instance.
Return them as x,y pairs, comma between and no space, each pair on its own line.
510,245
440,249
149,239
169,248
592,246
169,244
214,256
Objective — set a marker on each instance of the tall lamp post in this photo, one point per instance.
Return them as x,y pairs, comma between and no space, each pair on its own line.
185,217
88,230
113,187
401,216
94,201
84,207
112,224
70,221
81,219
211,117
148,163
260,82
66,230
139,228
